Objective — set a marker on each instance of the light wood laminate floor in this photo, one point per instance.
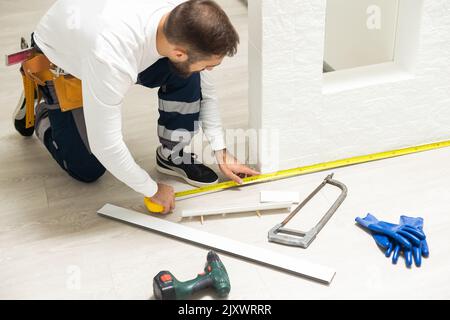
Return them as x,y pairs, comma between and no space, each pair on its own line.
53,245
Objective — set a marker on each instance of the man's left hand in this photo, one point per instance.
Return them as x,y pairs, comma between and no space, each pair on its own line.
232,168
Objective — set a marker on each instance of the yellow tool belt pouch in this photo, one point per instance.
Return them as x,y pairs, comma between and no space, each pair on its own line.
68,91
36,72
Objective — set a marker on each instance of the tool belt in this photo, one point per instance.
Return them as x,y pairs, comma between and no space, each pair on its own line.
36,71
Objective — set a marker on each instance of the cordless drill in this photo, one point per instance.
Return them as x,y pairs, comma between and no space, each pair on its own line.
167,287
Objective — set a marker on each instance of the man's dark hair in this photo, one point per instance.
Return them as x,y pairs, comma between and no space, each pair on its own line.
203,27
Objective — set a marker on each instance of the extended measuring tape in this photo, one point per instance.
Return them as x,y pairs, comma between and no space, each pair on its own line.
155,208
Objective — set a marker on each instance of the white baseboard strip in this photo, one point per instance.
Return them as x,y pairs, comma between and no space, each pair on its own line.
212,241
236,209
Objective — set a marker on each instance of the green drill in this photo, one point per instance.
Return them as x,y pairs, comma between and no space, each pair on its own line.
167,287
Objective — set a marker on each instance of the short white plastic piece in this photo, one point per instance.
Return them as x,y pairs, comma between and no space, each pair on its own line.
280,196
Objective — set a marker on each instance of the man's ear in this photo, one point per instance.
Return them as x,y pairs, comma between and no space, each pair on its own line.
179,55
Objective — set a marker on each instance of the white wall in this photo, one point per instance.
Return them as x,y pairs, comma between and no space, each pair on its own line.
360,32
286,87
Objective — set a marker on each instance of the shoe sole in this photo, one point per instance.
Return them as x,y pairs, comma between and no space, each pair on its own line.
174,172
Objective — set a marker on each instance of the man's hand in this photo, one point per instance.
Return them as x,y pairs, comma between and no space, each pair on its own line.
165,197
232,168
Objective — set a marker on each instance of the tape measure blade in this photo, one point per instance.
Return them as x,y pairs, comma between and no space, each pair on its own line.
295,172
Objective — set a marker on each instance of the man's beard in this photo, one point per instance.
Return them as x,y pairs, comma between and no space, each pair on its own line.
182,69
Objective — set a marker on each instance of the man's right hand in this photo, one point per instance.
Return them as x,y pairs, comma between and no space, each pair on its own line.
165,197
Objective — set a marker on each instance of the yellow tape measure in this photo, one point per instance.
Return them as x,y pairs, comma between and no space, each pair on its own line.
155,208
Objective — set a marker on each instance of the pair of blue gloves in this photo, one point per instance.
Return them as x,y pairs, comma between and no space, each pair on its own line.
407,237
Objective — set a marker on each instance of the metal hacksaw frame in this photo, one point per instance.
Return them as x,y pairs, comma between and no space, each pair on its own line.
242,250
281,234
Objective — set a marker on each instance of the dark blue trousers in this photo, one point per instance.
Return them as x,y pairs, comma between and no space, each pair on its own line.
179,109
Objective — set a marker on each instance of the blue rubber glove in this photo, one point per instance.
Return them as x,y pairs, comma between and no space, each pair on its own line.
422,248
405,235
418,249
381,240
408,236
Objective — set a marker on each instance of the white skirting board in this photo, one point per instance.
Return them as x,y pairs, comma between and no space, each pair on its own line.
242,250
236,209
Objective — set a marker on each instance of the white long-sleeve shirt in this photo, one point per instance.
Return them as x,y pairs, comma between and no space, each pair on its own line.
106,44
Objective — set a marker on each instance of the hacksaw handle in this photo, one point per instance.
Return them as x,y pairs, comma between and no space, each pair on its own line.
153,207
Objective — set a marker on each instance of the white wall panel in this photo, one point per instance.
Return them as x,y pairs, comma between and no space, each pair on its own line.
287,86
